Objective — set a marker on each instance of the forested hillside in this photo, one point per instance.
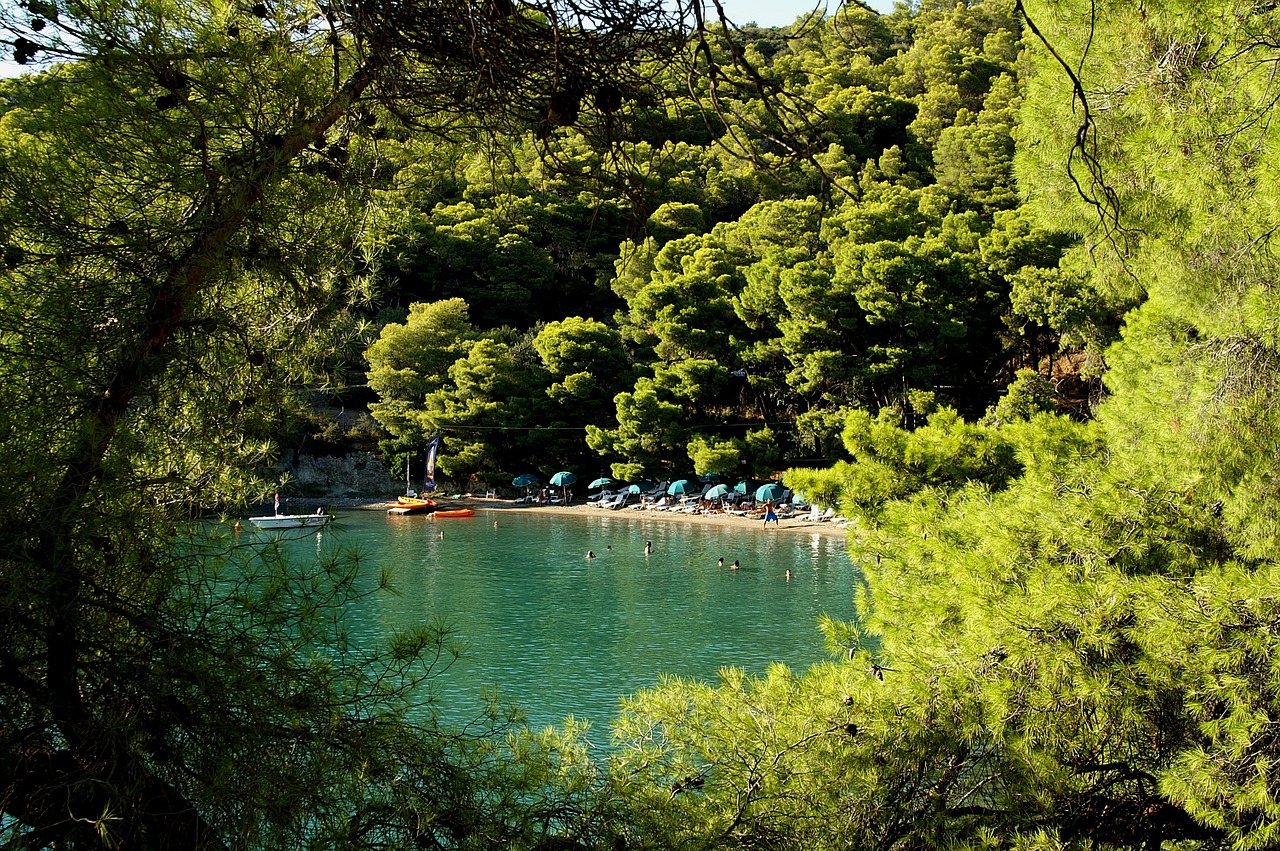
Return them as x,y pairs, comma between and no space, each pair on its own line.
718,287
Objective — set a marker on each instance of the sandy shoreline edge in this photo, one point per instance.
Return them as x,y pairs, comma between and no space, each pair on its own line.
786,525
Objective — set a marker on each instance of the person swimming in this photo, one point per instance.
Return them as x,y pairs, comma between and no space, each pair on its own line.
735,565
789,575
720,562
590,554
648,547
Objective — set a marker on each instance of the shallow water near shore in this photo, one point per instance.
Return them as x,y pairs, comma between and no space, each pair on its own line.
559,634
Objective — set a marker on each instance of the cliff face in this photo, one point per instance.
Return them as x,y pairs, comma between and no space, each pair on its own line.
356,474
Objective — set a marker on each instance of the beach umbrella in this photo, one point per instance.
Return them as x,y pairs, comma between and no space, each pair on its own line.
707,478
718,492
635,489
682,486
525,480
601,482
562,480
744,486
772,490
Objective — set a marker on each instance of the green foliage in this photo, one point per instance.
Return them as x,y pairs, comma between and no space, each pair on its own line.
711,456
586,356
764,452
1028,395
673,220
1066,629
648,423
819,302
411,361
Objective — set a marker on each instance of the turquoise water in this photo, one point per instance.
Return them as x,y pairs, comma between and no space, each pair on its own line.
559,634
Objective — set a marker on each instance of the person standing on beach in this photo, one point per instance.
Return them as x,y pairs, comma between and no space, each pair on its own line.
769,513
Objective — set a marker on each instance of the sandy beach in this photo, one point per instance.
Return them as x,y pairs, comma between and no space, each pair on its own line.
785,525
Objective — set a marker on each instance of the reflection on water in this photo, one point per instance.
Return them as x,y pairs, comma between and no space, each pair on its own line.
561,634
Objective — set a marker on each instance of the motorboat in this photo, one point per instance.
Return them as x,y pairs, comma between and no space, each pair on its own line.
292,521
411,505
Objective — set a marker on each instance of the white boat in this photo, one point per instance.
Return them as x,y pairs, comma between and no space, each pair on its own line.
291,521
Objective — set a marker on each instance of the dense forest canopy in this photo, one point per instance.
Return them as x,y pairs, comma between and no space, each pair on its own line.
1005,268
744,274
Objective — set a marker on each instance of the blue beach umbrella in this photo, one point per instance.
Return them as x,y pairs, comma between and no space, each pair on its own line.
525,480
682,486
635,489
744,486
709,477
601,482
718,492
772,490
562,480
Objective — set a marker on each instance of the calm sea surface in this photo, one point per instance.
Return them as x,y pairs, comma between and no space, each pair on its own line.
559,634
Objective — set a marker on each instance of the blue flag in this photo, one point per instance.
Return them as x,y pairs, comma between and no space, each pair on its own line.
433,446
